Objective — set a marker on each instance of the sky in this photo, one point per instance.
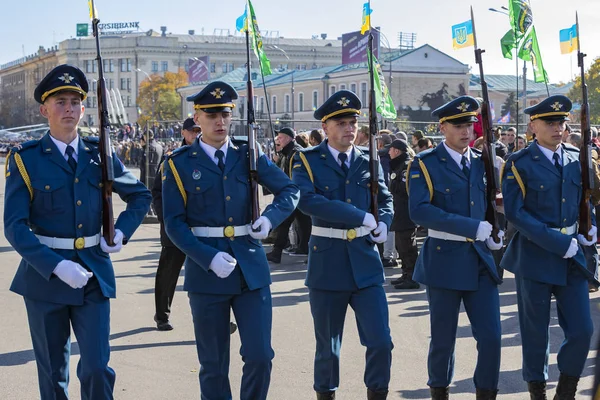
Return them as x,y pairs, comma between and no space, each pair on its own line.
26,25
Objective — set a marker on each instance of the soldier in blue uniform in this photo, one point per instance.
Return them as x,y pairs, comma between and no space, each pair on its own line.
344,267
447,196
53,217
542,190
207,213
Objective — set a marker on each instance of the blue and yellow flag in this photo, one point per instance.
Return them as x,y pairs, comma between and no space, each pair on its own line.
93,11
366,18
569,40
462,35
241,24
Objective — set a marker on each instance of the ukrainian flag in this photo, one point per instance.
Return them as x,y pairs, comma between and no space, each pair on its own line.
569,40
366,18
462,35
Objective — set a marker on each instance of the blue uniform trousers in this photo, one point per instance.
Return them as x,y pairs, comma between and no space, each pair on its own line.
329,311
50,326
573,309
483,309
253,314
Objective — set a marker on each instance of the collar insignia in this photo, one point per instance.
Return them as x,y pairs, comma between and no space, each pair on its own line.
217,93
344,102
463,107
66,78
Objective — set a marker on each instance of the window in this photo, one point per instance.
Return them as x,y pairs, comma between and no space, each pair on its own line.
342,87
154,66
129,65
109,65
123,84
110,84
300,101
128,101
331,90
262,105
90,66
94,85
363,92
227,67
255,101
164,66
287,103
315,101
353,88
213,67
301,67
125,64
274,105
129,84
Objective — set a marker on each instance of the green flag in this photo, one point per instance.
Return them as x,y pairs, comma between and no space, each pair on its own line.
530,51
507,44
521,17
385,105
257,42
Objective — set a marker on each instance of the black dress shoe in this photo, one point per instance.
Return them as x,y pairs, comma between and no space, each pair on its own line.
163,325
407,284
397,281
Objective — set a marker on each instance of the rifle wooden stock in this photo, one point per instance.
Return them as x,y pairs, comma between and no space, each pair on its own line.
105,148
373,154
585,153
251,130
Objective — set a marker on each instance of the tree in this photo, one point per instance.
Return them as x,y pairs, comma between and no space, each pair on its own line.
162,91
509,106
592,79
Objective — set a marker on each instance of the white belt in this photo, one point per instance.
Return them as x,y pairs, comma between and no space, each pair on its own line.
69,244
220,231
447,236
567,230
344,234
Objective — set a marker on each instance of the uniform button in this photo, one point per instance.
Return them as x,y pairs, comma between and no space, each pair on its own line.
565,220
541,186
438,248
225,178
101,184
76,180
227,198
472,203
564,200
326,187
564,181
315,248
80,226
78,202
368,185
197,187
447,190
347,182
232,239
47,187
230,219
349,201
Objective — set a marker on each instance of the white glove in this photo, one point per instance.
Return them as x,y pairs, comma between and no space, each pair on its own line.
72,274
222,264
369,222
593,233
118,243
263,225
381,232
489,242
483,231
573,248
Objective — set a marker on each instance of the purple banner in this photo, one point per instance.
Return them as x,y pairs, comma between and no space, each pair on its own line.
198,69
354,47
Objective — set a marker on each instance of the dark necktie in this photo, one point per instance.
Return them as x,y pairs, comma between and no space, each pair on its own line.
219,154
465,168
557,163
70,160
343,157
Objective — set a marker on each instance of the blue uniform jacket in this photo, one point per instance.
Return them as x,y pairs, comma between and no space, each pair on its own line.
66,205
537,198
443,199
335,200
220,199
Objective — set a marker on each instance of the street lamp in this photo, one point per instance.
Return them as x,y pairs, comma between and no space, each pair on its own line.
293,71
147,140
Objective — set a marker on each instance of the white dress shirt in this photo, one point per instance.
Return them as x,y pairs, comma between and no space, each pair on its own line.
550,154
457,157
62,147
210,151
335,154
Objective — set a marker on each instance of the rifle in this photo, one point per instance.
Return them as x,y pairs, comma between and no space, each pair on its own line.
106,159
585,153
251,129
373,154
488,155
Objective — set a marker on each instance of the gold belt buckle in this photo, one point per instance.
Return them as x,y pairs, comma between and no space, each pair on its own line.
351,234
229,231
79,243
563,231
